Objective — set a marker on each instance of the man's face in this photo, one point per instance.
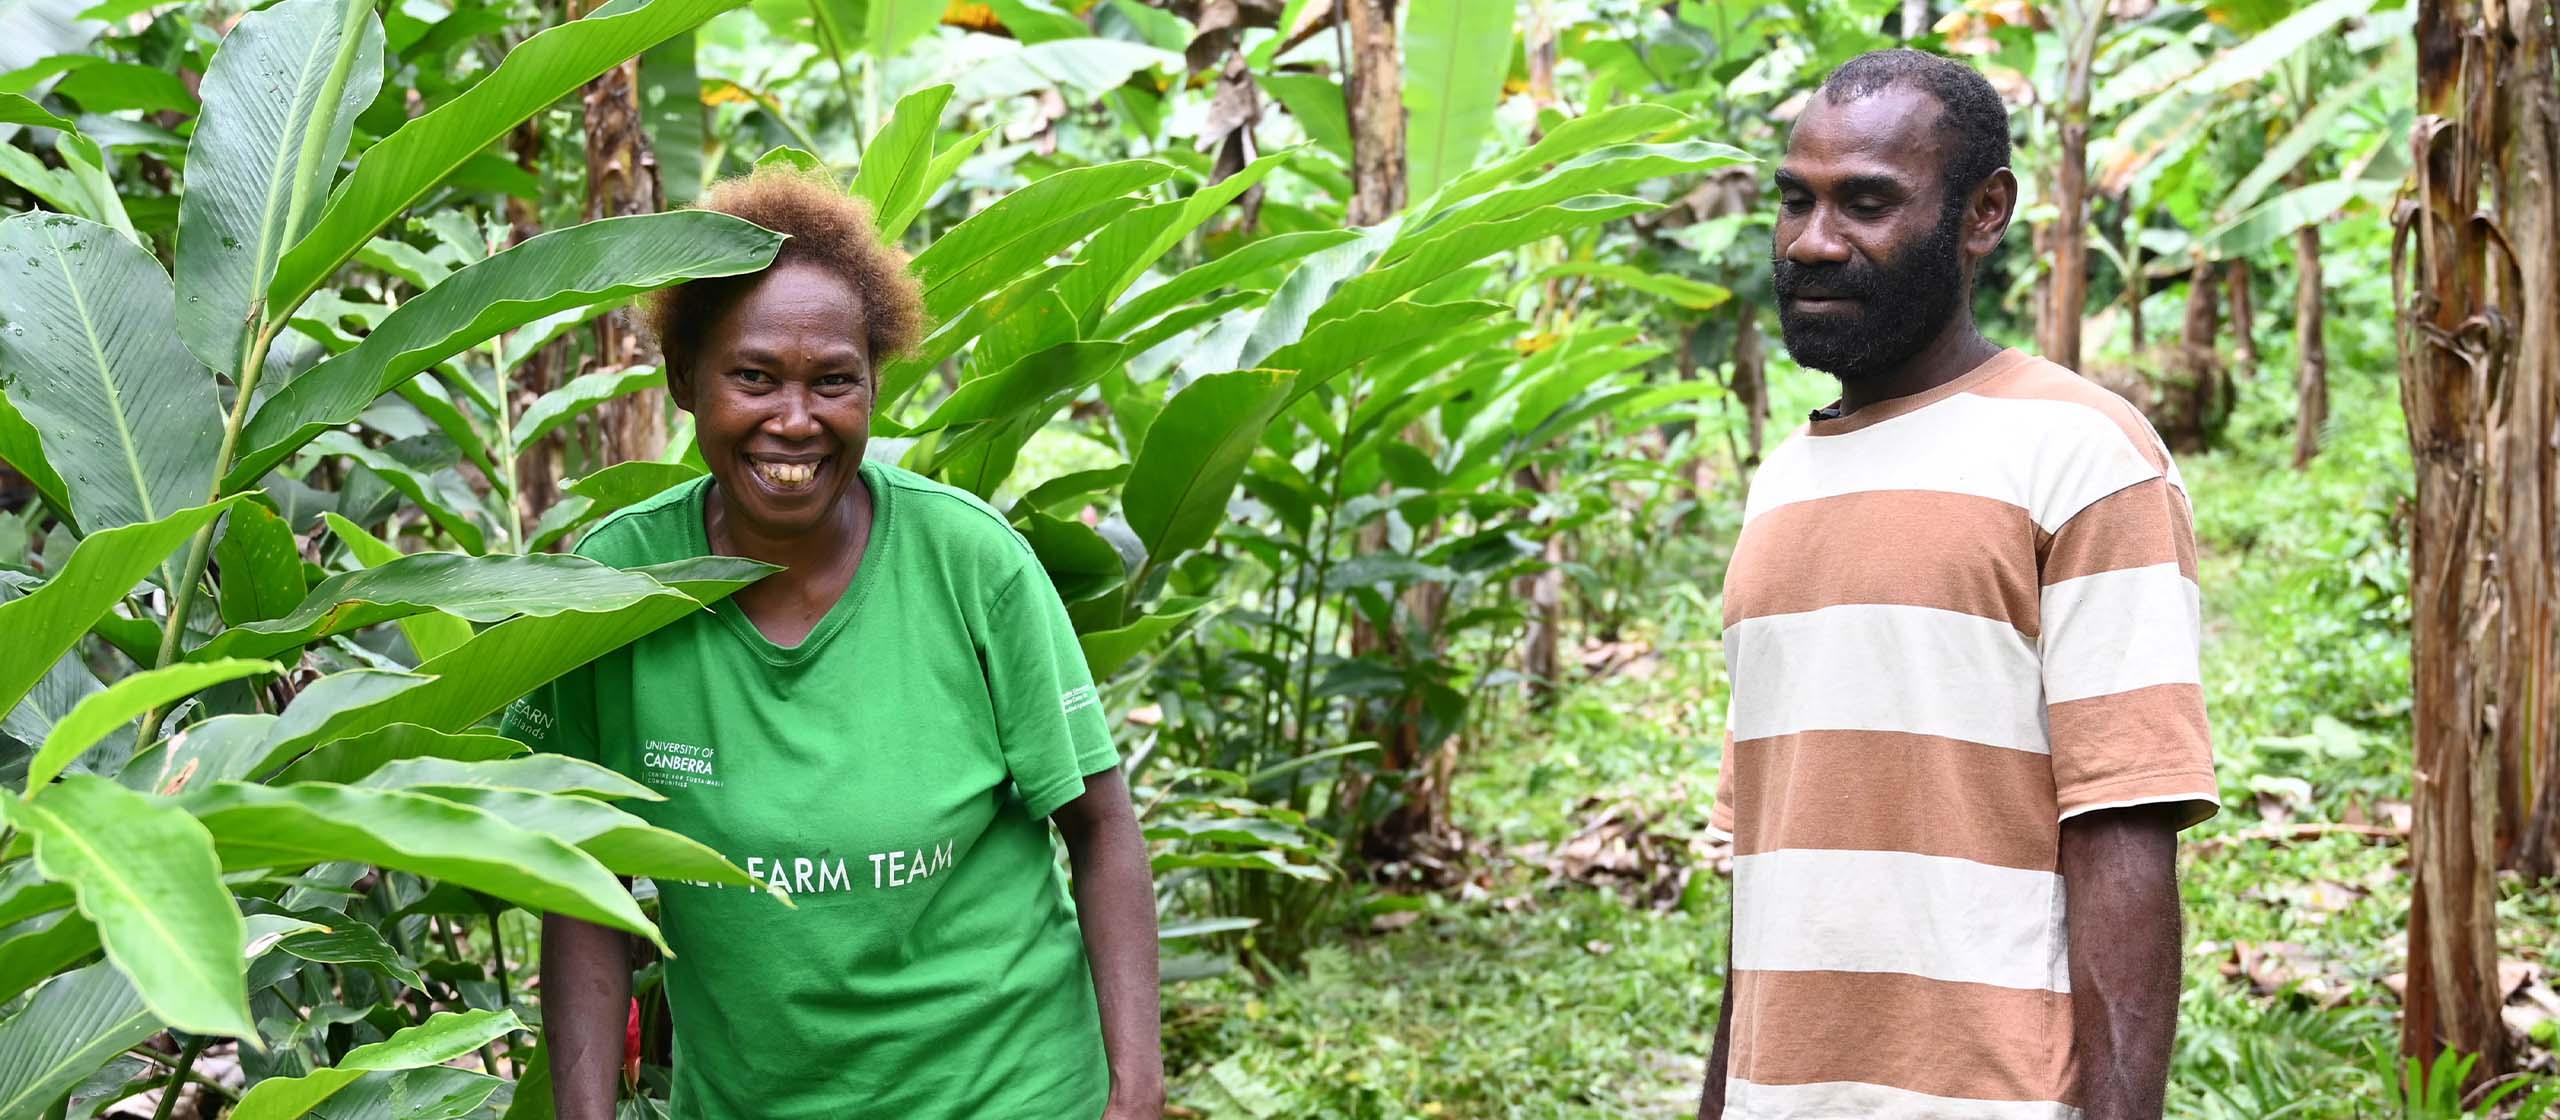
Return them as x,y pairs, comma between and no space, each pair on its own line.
780,392
1867,262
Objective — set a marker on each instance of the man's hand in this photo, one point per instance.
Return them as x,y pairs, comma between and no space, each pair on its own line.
2120,879
1711,1096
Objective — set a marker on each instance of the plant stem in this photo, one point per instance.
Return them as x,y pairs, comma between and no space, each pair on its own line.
506,983
178,1076
844,75
182,590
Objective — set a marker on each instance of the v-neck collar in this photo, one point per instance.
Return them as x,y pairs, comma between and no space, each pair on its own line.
874,552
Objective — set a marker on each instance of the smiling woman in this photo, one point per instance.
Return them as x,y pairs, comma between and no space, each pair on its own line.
906,696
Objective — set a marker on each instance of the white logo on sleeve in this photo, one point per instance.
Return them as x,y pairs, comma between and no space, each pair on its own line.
1077,699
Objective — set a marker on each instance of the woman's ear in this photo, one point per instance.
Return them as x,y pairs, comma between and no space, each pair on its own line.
679,383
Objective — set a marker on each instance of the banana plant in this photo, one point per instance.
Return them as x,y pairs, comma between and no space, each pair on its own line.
257,809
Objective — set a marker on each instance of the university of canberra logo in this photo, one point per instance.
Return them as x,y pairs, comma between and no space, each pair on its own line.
664,763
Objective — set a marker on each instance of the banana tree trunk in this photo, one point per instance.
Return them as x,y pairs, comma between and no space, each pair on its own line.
2203,404
1915,19
1751,379
2244,319
538,468
622,179
2311,347
2070,286
2474,260
1375,90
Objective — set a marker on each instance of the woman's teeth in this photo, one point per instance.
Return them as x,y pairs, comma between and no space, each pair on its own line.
787,474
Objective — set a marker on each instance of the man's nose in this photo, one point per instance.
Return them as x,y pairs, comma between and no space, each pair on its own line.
1817,241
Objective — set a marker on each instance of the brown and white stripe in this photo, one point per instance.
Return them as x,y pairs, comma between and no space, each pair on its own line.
1953,621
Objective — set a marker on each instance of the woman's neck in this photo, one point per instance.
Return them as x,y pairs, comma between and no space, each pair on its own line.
840,533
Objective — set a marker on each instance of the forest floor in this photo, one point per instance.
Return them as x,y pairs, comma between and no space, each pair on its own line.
1574,973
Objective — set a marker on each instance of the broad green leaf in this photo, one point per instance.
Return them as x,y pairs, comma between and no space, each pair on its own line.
45,623
430,633
37,948
257,826
217,749
442,1038
115,87
74,1024
1106,651
1080,563
1176,322
1601,171
1460,246
1456,55
604,492
889,25
1696,295
405,165
2264,51
893,223
440,1092
1178,487
671,110
1087,68
414,472
1573,138
1240,265
349,760
901,375
1025,228
610,259
347,941
2277,218
507,660
1067,487
534,773
1316,279
894,162
1033,385
16,109
428,396
260,562
624,844
144,872
1038,21
91,359
329,709
1315,101
583,392
1127,248
21,448
1339,344
121,702
279,103
2316,128
483,589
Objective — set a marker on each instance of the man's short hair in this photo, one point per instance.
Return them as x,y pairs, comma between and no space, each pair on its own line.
1975,120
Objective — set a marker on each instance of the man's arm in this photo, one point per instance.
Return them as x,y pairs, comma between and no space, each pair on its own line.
1711,1099
1116,905
2120,878
586,1000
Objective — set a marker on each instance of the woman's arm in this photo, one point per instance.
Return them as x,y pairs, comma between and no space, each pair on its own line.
586,997
1116,905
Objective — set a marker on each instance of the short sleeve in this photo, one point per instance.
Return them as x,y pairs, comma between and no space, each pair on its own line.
1048,716
2121,638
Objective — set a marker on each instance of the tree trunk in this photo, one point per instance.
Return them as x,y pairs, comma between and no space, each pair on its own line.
2474,260
2244,320
2201,404
1375,91
1543,591
1915,19
2137,288
622,179
2311,347
2070,290
537,467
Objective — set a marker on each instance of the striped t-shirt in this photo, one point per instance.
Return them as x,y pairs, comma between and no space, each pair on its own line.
1954,620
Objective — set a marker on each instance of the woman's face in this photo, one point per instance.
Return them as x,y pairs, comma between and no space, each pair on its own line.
781,395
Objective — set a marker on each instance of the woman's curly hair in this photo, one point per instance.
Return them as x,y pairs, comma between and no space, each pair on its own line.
825,227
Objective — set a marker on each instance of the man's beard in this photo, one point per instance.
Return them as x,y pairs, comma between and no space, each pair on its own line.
1898,307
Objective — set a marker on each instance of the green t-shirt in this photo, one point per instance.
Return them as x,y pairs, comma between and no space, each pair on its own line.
895,773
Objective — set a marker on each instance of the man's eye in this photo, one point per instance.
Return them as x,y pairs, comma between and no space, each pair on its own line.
1796,204
753,376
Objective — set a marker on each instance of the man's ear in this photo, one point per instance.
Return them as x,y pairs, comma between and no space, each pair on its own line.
1987,217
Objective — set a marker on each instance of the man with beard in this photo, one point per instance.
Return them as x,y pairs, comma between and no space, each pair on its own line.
1962,626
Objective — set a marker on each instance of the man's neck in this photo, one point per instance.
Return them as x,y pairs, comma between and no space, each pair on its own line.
1954,353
